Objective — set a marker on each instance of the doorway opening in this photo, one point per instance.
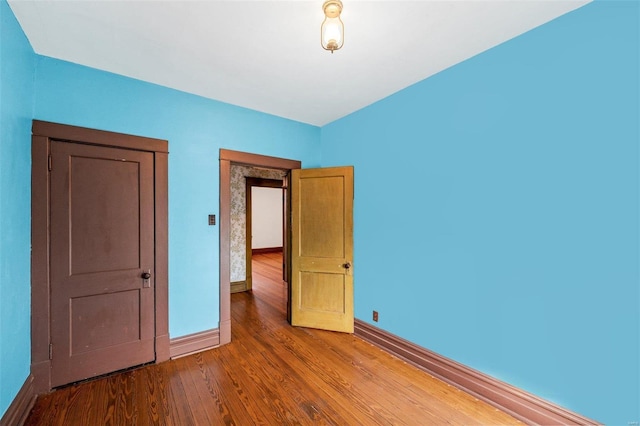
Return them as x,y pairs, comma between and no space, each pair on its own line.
265,226
228,159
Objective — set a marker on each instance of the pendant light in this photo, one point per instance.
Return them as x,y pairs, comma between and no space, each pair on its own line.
332,29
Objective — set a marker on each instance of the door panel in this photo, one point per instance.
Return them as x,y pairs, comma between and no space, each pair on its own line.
322,248
322,218
108,211
102,241
322,292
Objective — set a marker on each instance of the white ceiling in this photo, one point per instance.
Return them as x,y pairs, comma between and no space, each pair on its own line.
266,55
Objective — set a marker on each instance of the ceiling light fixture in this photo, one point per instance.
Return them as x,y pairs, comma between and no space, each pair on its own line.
332,29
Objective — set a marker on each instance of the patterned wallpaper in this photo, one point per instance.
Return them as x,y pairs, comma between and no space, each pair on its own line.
238,215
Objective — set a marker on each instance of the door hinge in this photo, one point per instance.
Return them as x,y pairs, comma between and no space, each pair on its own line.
50,350
49,162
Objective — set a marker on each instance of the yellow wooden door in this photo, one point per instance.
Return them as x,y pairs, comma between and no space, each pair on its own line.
322,248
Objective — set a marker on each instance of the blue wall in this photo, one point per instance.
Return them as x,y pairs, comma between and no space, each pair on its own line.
16,101
511,201
196,129
496,211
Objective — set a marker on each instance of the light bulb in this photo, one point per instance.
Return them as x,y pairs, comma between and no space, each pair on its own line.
332,29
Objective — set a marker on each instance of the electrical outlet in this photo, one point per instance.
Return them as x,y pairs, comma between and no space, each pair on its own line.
375,316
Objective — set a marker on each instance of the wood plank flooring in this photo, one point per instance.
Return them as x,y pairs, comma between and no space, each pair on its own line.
270,374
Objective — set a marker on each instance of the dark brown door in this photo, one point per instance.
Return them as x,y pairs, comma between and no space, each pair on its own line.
102,248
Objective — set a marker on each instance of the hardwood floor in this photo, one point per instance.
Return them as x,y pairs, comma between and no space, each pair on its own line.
270,374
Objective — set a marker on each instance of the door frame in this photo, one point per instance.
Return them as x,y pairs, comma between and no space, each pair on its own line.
42,134
252,182
227,158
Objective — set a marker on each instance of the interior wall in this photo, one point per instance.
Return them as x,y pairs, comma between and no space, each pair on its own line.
16,102
196,129
266,217
507,239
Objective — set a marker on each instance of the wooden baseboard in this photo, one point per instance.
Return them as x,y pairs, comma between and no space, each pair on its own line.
192,343
41,373
225,332
518,403
266,250
238,286
19,409
163,345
